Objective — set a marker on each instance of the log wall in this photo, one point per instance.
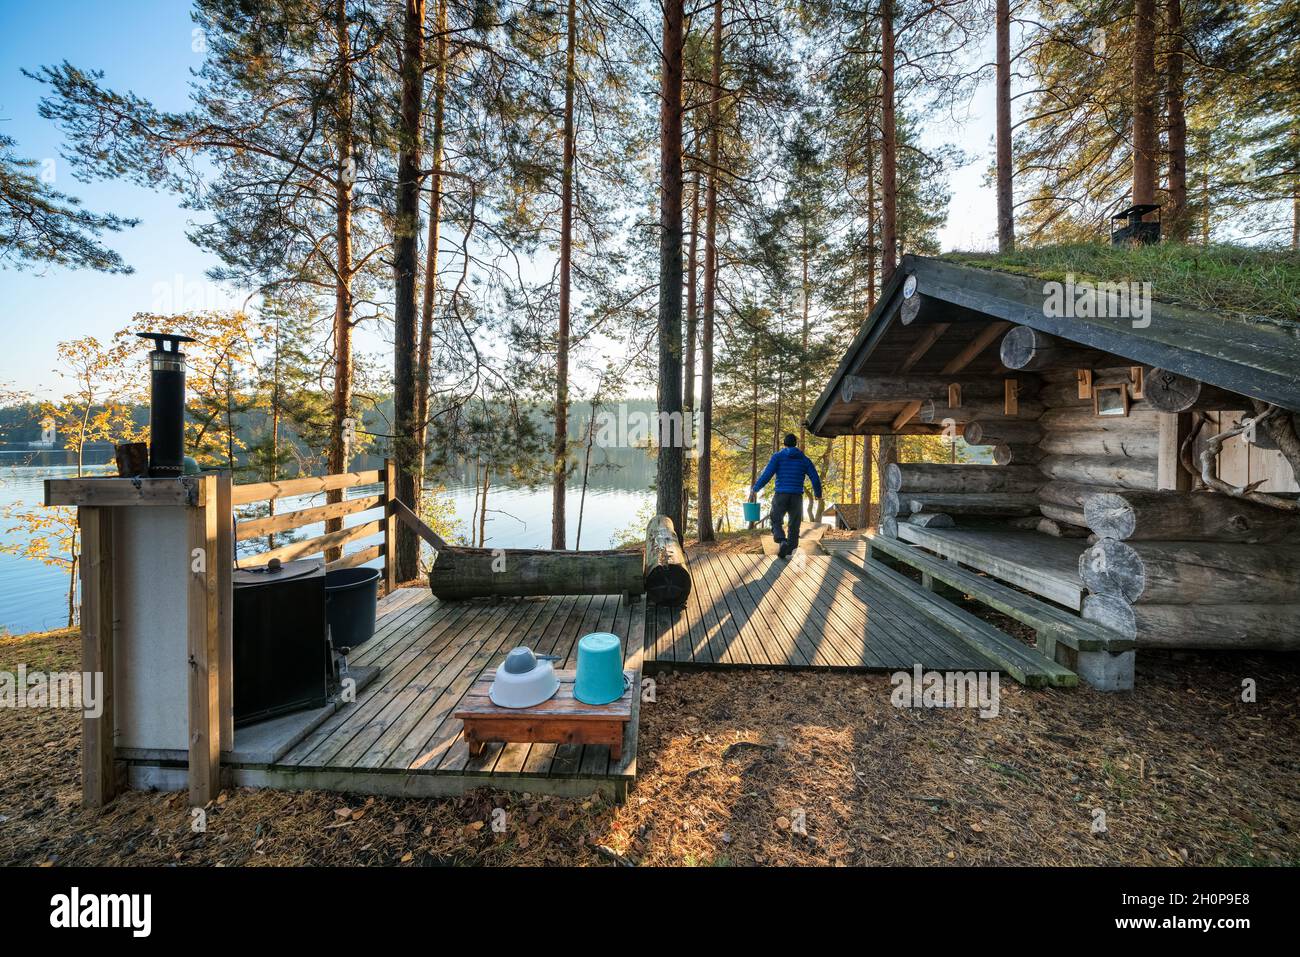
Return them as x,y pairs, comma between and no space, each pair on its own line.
1172,569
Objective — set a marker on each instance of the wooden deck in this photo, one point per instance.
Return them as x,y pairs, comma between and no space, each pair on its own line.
400,736
808,612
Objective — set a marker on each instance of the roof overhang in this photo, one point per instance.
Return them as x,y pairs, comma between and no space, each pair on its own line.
1258,360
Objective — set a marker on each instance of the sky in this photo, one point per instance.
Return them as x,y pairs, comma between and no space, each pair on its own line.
148,47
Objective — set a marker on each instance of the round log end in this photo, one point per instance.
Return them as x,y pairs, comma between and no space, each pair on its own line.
1110,516
1111,612
1168,391
1018,347
668,585
1113,568
893,477
889,527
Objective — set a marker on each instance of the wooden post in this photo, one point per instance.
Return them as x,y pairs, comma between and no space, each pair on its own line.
225,610
390,527
204,652
98,775
1174,429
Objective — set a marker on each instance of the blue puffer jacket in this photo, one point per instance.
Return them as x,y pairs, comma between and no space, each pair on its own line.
790,465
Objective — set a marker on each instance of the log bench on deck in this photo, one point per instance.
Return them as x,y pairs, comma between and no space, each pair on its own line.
1102,657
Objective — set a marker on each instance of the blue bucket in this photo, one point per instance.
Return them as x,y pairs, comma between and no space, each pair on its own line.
600,669
753,512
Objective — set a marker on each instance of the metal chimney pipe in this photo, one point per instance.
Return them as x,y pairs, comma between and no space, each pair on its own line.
166,405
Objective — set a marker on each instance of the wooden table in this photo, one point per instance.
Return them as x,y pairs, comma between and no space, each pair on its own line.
562,719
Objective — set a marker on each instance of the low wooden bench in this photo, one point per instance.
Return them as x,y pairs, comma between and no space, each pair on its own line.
1101,657
1056,625
562,719
1024,664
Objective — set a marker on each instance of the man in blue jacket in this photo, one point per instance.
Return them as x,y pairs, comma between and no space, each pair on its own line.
789,465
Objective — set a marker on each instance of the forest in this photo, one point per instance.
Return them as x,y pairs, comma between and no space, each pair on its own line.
538,206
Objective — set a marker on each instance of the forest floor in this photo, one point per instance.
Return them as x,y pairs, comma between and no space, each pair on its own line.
762,768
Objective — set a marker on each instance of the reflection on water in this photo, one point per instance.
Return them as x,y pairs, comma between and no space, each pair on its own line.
33,596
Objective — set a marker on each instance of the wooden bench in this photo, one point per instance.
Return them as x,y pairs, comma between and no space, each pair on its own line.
1024,664
562,719
1052,624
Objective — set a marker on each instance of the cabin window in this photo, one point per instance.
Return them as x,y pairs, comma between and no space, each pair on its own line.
1110,399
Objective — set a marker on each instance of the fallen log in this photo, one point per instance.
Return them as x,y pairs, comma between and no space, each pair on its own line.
1187,516
459,573
925,477
1167,391
1198,573
1026,348
1001,430
666,577
1095,470
1210,627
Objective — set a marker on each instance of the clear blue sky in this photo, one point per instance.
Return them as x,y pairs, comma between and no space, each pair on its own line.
146,46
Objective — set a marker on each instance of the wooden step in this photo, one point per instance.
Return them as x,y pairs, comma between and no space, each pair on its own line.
1040,564
1021,662
1052,624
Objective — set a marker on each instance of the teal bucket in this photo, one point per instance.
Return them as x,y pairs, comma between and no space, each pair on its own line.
600,669
753,512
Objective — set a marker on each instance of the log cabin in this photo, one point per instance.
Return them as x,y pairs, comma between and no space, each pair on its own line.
1144,486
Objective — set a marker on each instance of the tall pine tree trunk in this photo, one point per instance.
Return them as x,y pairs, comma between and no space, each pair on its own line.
1006,219
1176,217
406,247
1144,101
704,495
873,250
341,405
753,438
803,337
692,330
560,466
888,147
668,480
422,378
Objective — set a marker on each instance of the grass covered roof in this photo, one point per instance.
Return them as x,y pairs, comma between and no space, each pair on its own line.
1237,283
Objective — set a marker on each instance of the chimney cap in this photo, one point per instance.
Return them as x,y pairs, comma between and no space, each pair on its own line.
160,340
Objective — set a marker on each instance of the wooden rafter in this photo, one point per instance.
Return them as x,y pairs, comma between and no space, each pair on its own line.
923,345
991,333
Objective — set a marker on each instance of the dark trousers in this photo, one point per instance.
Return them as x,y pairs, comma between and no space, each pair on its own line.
786,504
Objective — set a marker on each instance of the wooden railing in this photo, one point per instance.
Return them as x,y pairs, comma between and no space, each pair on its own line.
382,522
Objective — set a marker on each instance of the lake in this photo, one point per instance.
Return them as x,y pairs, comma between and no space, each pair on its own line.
33,596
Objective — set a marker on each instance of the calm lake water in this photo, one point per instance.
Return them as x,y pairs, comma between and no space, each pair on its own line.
34,596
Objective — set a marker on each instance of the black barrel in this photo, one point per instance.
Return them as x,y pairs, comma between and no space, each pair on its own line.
351,597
